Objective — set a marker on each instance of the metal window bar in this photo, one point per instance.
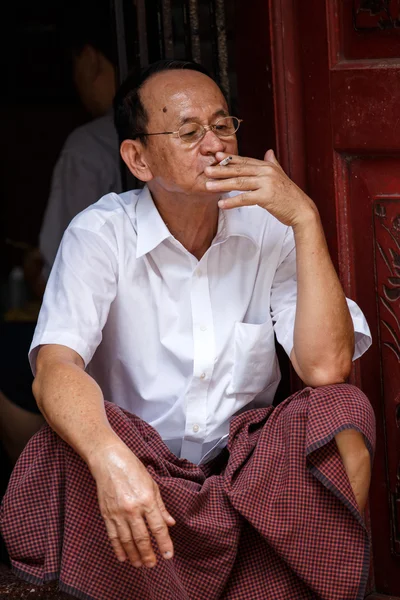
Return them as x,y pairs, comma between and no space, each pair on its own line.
194,30
222,47
167,29
142,31
118,10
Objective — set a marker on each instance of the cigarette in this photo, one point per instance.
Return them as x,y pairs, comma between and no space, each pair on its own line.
225,162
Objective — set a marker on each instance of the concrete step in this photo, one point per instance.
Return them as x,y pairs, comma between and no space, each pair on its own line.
13,588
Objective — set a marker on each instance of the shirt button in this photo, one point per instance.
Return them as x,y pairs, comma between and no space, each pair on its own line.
203,376
196,428
203,328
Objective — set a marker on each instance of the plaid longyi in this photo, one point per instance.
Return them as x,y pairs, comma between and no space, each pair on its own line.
273,517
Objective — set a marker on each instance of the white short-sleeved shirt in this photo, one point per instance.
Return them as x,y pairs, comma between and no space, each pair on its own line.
88,167
184,344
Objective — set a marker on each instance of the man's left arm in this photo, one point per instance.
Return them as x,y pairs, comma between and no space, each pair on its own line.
323,329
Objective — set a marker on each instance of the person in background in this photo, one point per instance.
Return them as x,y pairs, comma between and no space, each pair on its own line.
88,167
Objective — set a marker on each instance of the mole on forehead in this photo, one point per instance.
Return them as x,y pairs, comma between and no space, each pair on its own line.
165,109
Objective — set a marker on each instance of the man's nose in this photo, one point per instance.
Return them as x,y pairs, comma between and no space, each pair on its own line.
211,143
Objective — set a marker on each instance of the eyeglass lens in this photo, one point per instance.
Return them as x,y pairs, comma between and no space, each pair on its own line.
192,132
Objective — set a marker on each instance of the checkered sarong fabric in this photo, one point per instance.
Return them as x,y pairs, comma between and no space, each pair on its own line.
273,517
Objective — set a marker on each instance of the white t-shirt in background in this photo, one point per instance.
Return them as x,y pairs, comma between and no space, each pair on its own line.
88,168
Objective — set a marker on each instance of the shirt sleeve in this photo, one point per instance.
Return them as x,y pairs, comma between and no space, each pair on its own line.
76,184
80,290
284,298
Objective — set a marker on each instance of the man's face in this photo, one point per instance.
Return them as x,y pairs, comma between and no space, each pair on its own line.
172,98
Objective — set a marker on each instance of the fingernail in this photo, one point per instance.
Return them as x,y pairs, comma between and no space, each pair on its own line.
168,554
221,203
150,564
137,564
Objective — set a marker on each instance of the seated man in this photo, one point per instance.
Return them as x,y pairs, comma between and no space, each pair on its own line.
165,302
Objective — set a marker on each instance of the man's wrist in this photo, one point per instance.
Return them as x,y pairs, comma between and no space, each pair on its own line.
306,221
98,450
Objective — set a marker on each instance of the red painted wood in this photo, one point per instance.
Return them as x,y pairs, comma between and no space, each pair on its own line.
342,138
254,78
362,33
287,89
365,111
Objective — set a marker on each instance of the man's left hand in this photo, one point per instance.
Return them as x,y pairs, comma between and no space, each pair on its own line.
264,183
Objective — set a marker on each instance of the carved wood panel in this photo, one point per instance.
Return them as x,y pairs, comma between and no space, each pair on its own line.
370,29
373,219
387,276
376,14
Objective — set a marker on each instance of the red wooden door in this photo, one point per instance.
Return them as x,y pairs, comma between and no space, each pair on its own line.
336,84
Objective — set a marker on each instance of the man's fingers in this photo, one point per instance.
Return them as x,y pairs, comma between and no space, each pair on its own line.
235,160
270,157
159,529
118,549
245,199
132,552
169,519
235,171
248,167
115,542
128,544
142,540
234,183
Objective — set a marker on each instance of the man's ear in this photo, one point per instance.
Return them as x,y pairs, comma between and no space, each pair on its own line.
134,158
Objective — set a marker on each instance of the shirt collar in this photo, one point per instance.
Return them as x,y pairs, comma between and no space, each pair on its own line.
151,229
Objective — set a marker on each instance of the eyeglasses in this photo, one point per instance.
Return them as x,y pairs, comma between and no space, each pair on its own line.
194,132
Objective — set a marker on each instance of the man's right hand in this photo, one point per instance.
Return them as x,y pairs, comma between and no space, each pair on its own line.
131,505
130,501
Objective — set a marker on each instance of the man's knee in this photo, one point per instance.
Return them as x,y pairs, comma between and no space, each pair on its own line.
350,396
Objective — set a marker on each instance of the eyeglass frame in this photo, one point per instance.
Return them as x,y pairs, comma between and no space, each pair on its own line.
205,129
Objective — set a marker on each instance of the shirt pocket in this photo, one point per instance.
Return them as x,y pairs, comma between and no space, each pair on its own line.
255,364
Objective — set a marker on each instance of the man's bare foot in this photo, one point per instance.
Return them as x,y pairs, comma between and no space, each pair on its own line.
357,462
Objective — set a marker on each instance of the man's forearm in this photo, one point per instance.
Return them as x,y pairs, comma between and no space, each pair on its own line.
72,403
323,332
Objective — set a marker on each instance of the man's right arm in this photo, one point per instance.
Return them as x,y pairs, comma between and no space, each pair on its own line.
71,401
129,499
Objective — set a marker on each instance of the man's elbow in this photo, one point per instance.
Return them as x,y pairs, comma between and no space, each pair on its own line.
328,374
38,380
36,390
325,370
37,387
